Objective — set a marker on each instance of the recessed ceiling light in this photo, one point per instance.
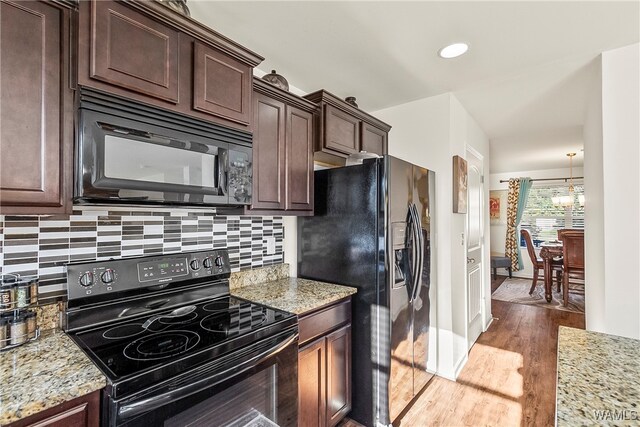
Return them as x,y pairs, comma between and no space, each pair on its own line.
453,50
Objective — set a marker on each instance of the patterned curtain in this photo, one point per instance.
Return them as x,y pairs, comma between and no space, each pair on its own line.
523,196
512,244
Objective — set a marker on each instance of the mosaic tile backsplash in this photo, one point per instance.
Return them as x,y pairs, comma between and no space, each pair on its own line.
42,245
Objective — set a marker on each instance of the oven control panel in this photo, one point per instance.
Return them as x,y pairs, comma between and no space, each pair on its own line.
86,279
165,268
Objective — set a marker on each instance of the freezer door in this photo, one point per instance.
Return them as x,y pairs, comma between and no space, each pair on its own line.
423,200
339,244
401,251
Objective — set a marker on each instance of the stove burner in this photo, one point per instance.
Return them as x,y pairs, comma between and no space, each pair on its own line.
123,331
161,345
216,306
170,320
236,319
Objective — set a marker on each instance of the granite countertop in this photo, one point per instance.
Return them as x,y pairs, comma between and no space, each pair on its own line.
598,379
44,373
293,294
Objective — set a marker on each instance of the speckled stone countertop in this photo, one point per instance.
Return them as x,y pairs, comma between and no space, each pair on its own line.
42,374
290,294
598,379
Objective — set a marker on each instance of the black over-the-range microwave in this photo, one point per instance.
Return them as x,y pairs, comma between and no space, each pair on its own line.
133,153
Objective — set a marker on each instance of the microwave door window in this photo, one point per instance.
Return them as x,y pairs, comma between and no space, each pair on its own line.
143,162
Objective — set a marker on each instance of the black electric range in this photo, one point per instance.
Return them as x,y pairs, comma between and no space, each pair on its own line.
170,339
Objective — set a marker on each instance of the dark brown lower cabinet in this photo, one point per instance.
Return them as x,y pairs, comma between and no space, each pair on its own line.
312,384
324,366
83,411
338,351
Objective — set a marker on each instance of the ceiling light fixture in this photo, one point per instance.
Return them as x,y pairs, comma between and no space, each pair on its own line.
453,50
568,201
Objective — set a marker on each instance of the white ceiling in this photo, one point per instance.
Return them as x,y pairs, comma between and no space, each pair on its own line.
525,78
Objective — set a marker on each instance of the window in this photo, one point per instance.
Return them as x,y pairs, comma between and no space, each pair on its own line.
543,219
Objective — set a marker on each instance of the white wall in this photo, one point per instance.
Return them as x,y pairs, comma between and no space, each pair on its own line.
594,206
428,132
499,231
290,244
613,304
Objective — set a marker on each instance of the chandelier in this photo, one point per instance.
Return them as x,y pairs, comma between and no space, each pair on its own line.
568,201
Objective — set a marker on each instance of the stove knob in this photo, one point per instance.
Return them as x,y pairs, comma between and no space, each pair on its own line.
195,264
86,279
207,263
219,261
108,276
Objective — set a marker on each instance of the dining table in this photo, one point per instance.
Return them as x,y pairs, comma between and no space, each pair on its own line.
549,251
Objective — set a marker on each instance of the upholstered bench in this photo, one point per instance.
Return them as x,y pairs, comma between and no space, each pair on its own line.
500,262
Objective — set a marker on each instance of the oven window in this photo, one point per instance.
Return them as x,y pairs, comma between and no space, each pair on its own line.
251,402
135,160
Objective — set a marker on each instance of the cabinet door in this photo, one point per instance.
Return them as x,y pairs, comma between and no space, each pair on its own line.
83,411
341,131
374,140
221,85
268,154
132,51
35,100
311,384
338,375
299,160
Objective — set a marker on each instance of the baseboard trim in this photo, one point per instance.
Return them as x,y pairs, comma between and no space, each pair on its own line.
461,363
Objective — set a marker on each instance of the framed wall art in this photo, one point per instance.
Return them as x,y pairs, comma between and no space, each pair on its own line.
459,185
498,207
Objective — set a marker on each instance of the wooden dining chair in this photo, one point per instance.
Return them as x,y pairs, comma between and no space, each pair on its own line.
538,264
573,259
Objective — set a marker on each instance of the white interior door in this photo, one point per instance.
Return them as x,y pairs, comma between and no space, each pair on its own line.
475,232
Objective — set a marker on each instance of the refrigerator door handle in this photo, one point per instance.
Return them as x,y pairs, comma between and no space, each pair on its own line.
415,251
420,252
412,244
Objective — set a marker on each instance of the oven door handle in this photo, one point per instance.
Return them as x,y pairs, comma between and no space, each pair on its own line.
152,402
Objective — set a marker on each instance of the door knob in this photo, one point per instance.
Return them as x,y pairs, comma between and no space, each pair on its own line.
471,260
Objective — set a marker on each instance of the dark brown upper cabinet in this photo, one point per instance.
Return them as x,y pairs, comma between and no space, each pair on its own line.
36,108
344,129
374,139
133,51
221,85
299,147
147,52
283,141
269,173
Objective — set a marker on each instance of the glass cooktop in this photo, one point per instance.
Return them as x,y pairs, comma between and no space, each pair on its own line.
214,327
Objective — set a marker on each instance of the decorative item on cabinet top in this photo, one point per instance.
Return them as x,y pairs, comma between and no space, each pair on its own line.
276,80
179,6
351,100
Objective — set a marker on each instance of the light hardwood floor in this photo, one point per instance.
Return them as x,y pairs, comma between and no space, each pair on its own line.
510,378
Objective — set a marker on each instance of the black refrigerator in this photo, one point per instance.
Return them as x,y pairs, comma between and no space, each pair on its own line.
373,230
